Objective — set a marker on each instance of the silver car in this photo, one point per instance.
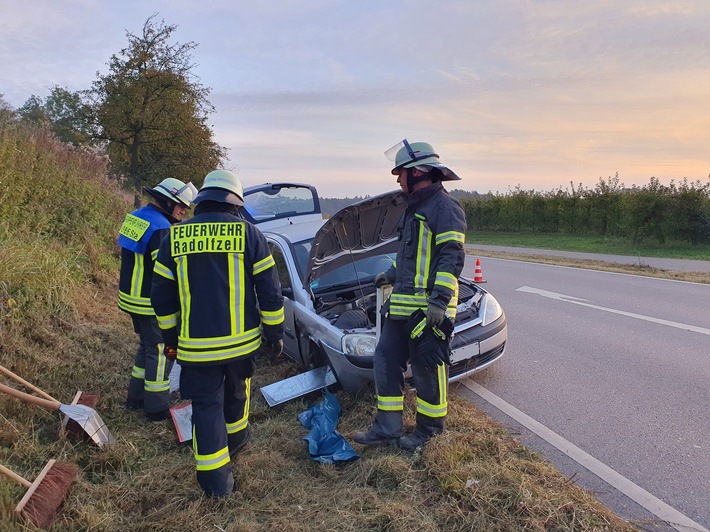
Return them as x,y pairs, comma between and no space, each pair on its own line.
327,268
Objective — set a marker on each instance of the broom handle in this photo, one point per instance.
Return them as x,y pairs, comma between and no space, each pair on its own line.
44,403
25,383
14,476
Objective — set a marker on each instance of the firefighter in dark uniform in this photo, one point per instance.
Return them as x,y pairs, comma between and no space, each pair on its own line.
217,297
139,238
425,282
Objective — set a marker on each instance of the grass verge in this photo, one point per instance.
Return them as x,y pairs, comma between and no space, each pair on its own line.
591,244
474,477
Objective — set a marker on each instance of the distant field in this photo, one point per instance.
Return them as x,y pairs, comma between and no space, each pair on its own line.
590,244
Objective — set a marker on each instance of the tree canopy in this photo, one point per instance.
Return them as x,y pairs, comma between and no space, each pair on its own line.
151,110
64,112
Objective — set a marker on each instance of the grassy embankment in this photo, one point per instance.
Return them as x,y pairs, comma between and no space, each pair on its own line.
60,329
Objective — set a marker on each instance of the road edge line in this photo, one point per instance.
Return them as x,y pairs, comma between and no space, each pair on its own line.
633,491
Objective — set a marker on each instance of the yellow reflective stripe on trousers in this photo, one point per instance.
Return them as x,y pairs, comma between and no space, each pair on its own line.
421,275
449,236
390,403
164,271
439,410
209,462
160,384
241,423
263,264
184,292
138,373
272,317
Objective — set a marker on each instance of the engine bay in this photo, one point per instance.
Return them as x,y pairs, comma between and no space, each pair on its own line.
357,308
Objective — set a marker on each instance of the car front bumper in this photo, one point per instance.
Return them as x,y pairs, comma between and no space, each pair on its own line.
469,355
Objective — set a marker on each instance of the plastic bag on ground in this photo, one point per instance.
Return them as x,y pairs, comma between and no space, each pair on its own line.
325,444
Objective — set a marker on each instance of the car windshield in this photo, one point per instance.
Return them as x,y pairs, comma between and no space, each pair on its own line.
279,201
362,268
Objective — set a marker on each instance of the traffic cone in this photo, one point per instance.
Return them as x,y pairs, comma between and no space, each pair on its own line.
478,274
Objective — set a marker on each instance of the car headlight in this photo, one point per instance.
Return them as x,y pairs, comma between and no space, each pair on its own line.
360,345
491,310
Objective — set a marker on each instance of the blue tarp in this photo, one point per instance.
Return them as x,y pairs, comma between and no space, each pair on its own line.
325,444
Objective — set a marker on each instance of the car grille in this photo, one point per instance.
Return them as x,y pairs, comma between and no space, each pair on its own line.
474,362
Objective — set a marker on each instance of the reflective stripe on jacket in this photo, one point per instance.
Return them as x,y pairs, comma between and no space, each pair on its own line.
216,286
431,256
139,238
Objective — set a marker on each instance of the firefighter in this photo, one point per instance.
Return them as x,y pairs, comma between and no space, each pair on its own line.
424,281
217,297
139,239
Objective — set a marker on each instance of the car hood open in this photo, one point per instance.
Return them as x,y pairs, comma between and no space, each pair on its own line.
368,227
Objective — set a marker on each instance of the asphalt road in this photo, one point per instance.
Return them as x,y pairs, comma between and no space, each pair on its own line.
617,365
680,265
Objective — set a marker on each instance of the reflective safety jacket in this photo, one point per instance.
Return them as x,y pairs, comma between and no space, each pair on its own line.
139,238
430,256
216,289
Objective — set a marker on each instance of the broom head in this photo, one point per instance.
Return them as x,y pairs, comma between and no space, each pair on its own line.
46,494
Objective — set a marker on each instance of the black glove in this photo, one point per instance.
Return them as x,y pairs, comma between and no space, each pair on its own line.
381,279
430,352
434,315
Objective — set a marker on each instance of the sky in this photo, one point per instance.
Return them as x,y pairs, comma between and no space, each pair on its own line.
536,94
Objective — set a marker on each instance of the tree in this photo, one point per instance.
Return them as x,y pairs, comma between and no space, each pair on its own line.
7,114
64,112
152,111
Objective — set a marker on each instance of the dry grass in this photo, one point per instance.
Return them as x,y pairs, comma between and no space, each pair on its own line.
474,477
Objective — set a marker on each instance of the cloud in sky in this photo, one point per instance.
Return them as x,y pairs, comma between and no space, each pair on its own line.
531,92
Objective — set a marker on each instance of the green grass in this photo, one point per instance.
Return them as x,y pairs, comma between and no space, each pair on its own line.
590,244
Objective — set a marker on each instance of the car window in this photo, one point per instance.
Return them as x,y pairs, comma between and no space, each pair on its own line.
364,268
280,260
277,201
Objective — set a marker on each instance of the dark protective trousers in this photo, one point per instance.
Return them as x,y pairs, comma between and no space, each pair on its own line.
391,356
149,382
220,396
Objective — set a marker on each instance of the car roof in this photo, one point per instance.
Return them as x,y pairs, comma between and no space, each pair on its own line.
296,232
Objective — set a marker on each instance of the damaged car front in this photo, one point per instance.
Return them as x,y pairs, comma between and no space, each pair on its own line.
327,270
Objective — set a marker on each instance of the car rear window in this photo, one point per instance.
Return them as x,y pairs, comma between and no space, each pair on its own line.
277,201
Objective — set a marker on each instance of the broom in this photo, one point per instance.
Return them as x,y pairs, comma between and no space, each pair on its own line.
45,495
74,430
87,418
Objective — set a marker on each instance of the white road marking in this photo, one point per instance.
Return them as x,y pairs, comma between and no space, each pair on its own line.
583,302
653,504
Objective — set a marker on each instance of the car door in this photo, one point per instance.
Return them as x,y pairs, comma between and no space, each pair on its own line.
291,344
